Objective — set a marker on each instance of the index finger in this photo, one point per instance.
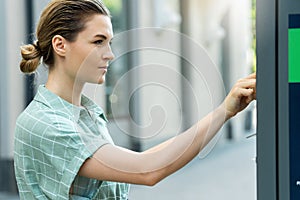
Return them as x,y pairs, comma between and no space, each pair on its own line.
251,76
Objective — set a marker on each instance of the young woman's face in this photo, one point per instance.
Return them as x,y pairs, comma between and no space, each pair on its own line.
88,57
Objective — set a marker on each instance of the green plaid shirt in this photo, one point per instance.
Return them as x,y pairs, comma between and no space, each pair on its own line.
53,138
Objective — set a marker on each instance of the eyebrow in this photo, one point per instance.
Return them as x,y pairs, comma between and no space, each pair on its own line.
101,36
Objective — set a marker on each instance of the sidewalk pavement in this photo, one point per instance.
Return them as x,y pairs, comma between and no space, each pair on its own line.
227,173
5,196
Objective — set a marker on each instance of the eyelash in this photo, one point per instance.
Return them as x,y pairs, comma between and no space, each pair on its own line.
99,42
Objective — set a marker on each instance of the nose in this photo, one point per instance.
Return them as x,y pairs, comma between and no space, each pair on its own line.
108,55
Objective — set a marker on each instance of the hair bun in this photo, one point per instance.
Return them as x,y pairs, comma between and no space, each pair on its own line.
31,55
37,46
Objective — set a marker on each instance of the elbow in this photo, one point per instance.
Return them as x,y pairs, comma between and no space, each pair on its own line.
150,175
151,182
151,178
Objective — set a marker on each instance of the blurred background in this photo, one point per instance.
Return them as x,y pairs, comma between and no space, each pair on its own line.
154,88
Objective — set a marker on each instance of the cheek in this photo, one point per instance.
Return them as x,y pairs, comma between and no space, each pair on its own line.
85,62
75,60
89,68
91,58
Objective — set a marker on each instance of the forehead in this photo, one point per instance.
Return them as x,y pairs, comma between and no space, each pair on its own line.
98,24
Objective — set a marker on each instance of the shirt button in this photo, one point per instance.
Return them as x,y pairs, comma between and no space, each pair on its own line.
124,196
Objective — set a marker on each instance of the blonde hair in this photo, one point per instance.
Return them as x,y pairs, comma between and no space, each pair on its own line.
66,18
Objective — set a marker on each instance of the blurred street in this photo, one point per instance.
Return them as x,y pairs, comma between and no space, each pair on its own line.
227,173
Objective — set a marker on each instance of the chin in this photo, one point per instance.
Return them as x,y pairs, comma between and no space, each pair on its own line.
101,81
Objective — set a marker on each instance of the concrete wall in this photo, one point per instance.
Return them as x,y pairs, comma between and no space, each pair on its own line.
12,25
12,89
159,70
169,102
223,29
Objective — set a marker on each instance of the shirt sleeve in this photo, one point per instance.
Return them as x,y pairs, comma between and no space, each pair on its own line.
58,150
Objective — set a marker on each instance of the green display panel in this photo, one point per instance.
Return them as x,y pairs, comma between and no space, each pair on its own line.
294,55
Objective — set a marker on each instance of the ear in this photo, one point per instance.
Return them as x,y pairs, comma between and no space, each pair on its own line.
59,45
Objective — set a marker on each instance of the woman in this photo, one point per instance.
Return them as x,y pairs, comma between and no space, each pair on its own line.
62,147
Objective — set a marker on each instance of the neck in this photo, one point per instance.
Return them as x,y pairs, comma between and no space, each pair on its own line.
65,88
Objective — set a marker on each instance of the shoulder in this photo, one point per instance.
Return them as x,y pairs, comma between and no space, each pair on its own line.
38,118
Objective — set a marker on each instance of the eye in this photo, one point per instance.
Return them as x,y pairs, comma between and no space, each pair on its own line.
98,42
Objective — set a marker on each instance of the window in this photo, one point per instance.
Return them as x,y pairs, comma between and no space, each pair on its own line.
119,66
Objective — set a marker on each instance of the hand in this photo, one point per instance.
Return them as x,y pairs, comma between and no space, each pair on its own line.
241,94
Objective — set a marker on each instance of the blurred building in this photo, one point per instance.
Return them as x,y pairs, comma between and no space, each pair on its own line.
158,85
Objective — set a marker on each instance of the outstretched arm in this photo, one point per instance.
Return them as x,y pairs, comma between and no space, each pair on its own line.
114,163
